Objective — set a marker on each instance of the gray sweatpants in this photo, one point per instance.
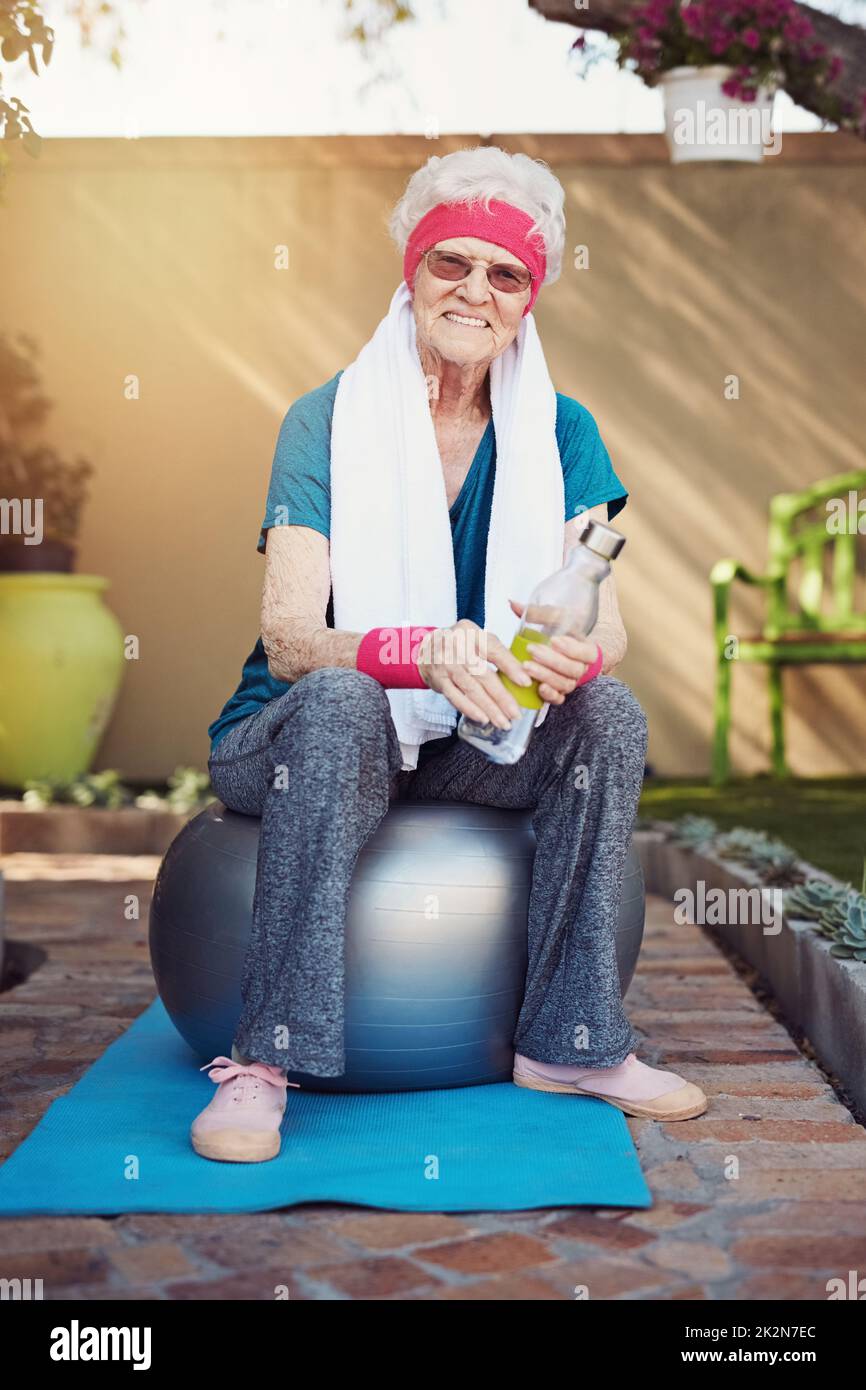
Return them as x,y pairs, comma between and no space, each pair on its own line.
320,765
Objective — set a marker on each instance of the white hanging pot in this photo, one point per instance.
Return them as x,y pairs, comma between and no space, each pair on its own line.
702,122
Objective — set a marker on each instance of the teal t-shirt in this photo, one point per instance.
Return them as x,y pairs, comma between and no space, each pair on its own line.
300,495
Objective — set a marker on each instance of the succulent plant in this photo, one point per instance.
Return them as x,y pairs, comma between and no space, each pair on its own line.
188,792
694,831
810,899
91,789
99,789
740,843
772,860
189,789
818,900
779,865
850,941
774,855
831,921
38,793
783,874
841,919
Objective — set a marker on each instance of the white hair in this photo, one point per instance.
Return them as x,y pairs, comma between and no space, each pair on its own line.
477,175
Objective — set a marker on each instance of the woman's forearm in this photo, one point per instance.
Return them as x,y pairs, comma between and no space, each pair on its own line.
299,648
613,643
297,584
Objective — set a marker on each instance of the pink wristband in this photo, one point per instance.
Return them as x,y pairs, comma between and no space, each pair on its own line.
592,671
390,656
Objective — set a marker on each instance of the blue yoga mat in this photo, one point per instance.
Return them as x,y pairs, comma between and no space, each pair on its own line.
119,1141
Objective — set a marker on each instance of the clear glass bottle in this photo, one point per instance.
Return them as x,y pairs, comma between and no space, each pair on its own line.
564,603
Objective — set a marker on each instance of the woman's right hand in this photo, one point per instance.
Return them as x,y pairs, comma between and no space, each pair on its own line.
453,661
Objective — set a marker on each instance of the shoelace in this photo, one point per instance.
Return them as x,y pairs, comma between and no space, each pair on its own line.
248,1075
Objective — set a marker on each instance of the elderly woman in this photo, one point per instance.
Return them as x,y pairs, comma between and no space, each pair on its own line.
427,487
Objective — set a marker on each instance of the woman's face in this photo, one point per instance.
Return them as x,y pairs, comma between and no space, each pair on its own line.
442,307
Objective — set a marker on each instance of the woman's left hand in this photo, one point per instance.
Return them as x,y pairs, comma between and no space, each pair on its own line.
557,665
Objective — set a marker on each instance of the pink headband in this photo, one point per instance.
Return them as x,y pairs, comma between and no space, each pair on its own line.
504,225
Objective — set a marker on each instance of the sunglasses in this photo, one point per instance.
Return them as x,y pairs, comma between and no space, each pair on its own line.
448,265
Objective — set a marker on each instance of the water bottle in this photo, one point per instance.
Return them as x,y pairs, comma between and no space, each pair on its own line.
564,603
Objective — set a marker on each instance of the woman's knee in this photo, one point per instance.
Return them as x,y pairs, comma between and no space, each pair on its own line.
334,707
612,713
236,787
341,693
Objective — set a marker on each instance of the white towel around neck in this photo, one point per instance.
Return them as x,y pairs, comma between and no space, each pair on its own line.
391,549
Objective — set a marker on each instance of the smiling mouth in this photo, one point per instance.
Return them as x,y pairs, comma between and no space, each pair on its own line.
466,321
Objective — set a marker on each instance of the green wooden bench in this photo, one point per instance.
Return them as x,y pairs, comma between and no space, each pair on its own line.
806,620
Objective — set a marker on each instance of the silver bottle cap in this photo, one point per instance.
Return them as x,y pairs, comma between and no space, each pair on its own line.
602,539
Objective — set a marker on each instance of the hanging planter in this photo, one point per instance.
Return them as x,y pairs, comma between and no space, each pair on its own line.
703,122
719,64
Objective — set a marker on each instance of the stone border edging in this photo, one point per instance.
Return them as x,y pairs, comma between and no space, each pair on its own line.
818,993
87,829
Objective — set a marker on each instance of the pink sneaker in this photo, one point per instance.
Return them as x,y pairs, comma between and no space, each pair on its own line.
632,1087
241,1123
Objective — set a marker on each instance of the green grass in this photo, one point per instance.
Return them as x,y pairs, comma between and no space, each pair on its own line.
824,819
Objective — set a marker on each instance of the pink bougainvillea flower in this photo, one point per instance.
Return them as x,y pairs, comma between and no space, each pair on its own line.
797,28
773,39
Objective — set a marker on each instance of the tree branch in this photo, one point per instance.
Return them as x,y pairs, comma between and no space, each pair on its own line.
848,40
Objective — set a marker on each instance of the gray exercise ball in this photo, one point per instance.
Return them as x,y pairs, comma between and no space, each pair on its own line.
435,941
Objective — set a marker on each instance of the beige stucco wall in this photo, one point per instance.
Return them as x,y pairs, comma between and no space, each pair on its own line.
156,257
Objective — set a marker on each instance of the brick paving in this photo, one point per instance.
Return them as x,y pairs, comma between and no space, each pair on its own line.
764,1197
